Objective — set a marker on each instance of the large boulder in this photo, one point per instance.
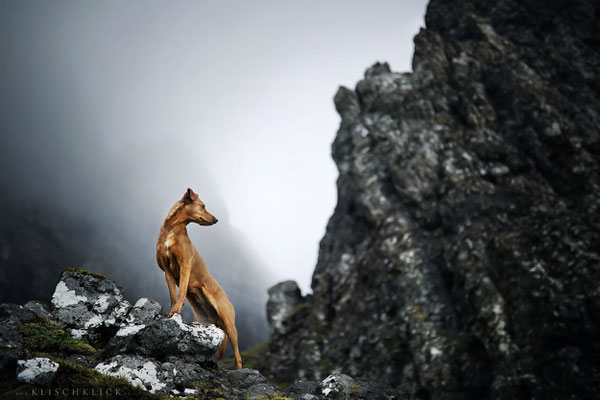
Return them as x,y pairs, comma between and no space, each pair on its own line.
88,302
164,337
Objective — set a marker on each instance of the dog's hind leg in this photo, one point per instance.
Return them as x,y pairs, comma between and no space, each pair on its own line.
203,313
232,333
226,314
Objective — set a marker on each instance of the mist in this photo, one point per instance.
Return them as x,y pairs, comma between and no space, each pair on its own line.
111,110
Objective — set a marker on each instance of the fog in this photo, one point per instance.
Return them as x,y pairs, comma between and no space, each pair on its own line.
111,110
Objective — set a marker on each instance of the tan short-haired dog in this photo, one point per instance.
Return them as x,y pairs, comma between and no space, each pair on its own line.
183,267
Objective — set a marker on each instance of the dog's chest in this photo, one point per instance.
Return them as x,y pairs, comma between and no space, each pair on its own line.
168,244
170,248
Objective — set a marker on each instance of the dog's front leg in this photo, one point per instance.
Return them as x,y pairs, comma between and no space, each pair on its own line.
172,284
184,280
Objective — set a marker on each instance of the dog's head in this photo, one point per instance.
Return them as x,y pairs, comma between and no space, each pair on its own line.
196,210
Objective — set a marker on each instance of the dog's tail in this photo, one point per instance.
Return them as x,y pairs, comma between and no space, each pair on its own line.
223,347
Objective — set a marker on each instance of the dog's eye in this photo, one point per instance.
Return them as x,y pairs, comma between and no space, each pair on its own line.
203,207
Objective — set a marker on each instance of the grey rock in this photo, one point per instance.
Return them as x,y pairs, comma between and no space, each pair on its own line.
40,308
37,371
244,378
12,318
302,388
461,260
153,375
164,337
143,311
185,376
188,372
85,301
260,390
118,315
283,300
338,387
148,374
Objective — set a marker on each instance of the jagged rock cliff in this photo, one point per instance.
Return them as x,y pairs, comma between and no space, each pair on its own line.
462,258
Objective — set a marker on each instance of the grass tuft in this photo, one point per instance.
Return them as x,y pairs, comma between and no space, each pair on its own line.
249,357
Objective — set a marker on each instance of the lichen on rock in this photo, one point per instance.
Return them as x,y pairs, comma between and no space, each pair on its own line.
38,371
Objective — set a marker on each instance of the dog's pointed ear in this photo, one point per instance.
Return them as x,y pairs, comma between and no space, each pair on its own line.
188,196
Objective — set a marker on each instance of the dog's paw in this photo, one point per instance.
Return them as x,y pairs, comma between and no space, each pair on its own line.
172,312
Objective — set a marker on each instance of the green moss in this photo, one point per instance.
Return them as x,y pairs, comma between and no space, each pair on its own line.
249,357
49,337
83,272
210,389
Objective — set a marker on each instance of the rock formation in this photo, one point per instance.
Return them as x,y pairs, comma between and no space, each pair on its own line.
462,258
89,338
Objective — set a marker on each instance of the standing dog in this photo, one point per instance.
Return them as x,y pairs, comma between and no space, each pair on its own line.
183,267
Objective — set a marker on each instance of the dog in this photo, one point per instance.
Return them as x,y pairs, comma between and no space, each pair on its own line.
184,267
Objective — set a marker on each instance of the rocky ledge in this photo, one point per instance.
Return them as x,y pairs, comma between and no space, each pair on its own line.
89,338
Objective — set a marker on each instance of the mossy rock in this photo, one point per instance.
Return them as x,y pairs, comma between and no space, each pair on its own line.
71,377
211,389
47,336
83,272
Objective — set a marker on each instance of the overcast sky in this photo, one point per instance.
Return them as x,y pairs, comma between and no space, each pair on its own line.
109,104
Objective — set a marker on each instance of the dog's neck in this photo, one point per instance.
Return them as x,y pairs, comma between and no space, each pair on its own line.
177,228
175,222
